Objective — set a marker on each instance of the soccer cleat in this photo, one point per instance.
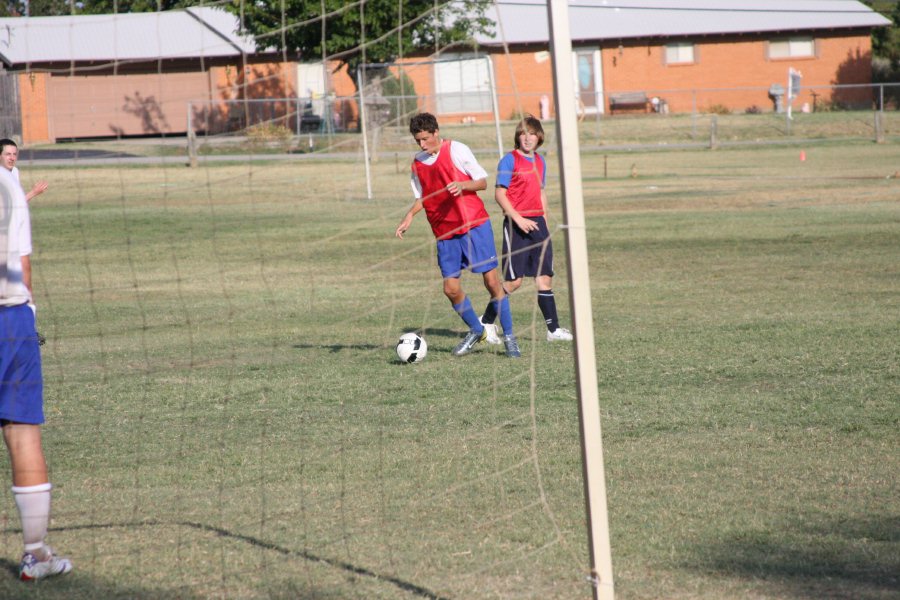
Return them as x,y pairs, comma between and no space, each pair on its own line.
492,337
512,346
32,569
469,342
559,335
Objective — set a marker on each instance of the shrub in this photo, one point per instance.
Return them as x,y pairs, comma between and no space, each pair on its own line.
401,93
718,109
264,134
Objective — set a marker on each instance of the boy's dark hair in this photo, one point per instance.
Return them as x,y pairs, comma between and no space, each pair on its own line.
423,122
7,142
531,124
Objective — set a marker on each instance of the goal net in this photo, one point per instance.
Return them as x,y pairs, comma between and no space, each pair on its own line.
221,290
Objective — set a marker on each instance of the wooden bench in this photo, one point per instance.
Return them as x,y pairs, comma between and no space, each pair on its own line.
629,100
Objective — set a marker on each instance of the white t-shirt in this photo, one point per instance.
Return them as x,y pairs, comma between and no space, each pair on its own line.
462,158
15,239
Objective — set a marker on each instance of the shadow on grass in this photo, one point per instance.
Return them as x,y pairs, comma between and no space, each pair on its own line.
75,586
335,348
841,558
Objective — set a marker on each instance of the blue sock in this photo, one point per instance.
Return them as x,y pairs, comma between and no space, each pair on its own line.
505,316
467,314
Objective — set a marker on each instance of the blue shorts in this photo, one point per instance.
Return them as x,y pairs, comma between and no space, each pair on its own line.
21,384
473,250
526,254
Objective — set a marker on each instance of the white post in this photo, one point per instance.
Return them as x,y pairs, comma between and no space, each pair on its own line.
580,294
191,138
495,104
362,124
790,93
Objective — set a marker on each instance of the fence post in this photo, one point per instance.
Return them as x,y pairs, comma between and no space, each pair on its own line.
694,114
191,138
879,127
714,132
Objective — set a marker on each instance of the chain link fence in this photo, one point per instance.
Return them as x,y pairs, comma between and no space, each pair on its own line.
666,117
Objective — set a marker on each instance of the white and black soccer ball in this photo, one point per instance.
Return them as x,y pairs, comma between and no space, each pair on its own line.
411,348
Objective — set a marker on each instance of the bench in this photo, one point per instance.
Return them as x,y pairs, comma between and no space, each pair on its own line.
629,100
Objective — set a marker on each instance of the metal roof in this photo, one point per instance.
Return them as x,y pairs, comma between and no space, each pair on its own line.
525,21
190,33
210,32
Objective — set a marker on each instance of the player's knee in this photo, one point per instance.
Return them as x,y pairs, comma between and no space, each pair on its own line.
453,292
511,286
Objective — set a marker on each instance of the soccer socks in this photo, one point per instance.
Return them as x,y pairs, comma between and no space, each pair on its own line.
467,314
33,503
490,312
547,304
502,307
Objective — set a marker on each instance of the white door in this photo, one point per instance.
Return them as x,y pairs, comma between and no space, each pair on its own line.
310,91
588,80
310,80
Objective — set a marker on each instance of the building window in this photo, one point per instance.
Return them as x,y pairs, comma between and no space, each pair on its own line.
799,47
680,54
462,85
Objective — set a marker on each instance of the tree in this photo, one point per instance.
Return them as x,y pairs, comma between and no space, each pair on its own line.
886,40
34,8
53,8
102,7
392,27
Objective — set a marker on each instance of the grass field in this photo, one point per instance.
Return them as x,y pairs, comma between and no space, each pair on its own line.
226,418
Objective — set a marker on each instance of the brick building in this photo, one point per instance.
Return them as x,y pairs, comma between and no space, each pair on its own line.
92,76
689,54
149,73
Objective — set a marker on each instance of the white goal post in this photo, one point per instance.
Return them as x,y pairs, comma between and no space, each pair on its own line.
580,295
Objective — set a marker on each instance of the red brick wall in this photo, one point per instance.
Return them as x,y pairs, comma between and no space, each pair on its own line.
33,99
522,78
734,63
726,63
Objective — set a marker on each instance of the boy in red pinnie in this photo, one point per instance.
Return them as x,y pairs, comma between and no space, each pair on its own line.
445,181
527,249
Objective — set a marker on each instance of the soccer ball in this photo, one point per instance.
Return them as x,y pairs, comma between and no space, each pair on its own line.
411,348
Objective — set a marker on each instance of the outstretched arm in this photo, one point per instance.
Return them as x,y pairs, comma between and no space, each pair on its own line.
39,188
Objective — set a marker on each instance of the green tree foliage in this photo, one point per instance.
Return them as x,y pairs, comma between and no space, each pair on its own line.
35,8
401,93
886,40
52,8
304,26
101,7
9,9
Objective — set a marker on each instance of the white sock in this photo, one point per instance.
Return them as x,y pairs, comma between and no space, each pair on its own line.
33,503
